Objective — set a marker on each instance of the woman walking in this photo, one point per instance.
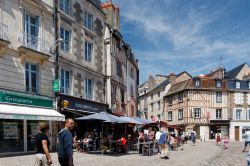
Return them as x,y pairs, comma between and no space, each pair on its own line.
43,157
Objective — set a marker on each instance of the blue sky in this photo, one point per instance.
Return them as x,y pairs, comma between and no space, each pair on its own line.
176,35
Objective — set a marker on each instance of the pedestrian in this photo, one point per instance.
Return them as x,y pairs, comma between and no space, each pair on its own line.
65,144
42,142
218,138
164,148
248,159
247,139
193,137
225,142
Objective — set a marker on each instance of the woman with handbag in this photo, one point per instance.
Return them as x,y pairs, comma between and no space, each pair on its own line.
43,157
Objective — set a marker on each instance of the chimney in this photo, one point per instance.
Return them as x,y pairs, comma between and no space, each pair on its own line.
151,82
172,78
112,13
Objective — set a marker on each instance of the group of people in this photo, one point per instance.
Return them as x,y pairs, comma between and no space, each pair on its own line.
64,147
222,141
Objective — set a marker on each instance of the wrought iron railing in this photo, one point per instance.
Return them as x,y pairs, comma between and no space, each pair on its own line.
34,43
3,31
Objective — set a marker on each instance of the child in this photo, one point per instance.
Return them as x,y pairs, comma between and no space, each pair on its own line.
225,142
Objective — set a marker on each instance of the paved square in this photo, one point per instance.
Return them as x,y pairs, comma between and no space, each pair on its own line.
202,154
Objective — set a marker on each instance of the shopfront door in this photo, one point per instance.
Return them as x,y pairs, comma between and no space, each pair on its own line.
237,133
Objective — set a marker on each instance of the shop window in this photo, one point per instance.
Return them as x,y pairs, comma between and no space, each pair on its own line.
11,136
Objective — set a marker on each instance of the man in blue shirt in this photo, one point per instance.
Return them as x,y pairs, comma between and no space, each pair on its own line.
162,143
65,144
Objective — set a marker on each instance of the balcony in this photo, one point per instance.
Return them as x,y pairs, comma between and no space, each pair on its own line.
4,40
34,47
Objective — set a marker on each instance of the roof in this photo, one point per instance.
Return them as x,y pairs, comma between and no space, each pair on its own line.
231,85
178,87
232,74
161,84
183,73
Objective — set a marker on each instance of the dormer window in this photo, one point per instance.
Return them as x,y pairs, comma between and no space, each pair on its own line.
197,82
218,83
248,84
237,84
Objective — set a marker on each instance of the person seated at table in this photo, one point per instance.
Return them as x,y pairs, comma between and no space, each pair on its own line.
87,142
104,145
151,135
122,144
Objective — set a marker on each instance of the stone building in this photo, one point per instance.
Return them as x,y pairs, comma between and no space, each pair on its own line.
121,66
27,46
239,101
27,71
152,92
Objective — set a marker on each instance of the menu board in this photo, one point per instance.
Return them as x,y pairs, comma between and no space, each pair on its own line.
10,130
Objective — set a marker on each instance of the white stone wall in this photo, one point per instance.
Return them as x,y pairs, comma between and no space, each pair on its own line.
232,129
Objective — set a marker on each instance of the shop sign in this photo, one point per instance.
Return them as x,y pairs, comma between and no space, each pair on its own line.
28,117
25,99
56,85
10,130
82,104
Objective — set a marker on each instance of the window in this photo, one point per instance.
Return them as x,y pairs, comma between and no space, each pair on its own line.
65,35
170,101
248,84
170,116
132,72
159,116
180,114
31,29
122,96
218,83
238,114
218,114
159,105
196,82
238,84
88,51
65,81
88,89
159,94
118,68
31,77
88,20
152,107
65,6
249,114
152,97
180,97
131,91
197,113
218,97
145,91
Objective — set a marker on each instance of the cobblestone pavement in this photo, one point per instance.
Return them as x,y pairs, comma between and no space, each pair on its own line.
202,154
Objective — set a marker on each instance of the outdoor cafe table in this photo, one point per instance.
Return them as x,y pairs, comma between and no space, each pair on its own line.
146,144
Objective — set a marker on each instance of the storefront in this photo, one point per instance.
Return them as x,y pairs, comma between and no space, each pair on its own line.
75,107
20,114
221,126
237,130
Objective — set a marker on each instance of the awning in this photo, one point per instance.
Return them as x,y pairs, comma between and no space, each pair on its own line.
30,113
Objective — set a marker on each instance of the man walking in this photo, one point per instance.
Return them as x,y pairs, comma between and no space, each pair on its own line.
65,144
247,139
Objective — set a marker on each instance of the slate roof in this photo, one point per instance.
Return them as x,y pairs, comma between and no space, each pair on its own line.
232,74
178,87
231,85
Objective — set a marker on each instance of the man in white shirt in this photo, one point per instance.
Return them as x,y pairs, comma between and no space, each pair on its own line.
247,139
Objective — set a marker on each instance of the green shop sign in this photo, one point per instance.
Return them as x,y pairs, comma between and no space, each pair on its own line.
25,99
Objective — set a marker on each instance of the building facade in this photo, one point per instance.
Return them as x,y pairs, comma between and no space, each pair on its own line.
27,71
152,92
198,104
121,66
239,101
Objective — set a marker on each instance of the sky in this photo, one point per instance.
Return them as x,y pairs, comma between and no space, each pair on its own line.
196,36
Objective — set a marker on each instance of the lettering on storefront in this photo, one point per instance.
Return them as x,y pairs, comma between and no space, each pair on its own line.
28,117
25,99
85,105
